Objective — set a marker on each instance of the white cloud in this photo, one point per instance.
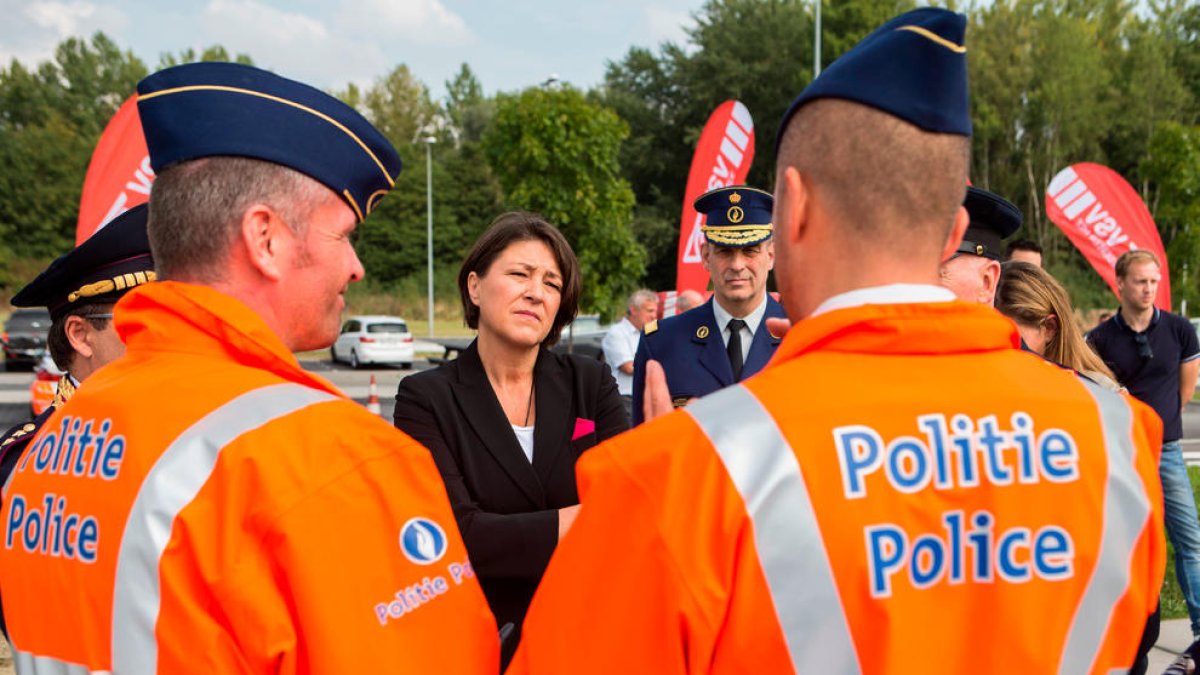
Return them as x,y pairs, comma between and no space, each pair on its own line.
667,25
31,30
248,24
425,22
295,45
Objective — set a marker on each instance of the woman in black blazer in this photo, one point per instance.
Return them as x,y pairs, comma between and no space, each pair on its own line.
507,420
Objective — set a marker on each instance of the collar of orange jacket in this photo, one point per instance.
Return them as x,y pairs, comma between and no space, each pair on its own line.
180,317
909,328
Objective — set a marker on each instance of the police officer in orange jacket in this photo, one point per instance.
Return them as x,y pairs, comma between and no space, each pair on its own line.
901,489
204,505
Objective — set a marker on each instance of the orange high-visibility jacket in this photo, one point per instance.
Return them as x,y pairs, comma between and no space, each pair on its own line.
204,505
899,491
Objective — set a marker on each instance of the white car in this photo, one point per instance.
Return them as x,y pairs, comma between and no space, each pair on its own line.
374,339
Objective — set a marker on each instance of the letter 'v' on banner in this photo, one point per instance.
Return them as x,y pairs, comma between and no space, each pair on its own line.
119,175
723,156
1104,217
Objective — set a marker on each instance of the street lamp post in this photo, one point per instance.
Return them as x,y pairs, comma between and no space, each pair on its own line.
429,141
817,42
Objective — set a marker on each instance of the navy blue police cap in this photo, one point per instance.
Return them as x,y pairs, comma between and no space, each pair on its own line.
208,109
100,270
736,215
913,67
993,219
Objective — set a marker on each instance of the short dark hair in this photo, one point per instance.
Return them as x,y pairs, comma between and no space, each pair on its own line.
837,144
1021,245
56,340
509,229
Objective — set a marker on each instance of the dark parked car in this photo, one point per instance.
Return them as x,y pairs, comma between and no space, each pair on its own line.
25,337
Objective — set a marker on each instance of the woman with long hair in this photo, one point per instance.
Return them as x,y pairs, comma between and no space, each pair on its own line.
1040,307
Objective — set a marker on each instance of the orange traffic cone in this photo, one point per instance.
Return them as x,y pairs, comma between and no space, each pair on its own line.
373,399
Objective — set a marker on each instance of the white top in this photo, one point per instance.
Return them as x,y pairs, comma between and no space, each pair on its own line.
892,294
620,346
753,320
525,438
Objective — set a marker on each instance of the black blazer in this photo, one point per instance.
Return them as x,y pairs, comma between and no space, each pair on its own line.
506,507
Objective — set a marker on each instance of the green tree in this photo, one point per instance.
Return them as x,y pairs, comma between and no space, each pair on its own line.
398,104
50,120
211,53
1172,171
467,109
756,51
556,153
466,197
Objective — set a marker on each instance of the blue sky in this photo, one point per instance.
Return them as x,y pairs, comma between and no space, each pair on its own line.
510,44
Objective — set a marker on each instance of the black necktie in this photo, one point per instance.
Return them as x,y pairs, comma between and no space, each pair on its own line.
734,349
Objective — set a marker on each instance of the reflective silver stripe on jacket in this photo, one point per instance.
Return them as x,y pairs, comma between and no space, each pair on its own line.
799,576
29,664
1126,508
170,486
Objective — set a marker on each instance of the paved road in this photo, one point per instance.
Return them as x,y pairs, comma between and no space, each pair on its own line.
14,387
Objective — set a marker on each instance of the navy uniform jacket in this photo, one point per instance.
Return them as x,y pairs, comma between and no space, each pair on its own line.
15,440
696,366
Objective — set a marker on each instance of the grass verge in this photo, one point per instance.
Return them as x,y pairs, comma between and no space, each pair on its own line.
1173,606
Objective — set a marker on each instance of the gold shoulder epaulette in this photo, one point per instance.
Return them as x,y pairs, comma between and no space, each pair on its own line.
19,433
651,327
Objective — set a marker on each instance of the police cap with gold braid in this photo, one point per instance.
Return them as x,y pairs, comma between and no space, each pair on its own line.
208,109
913,67
736,216
100,270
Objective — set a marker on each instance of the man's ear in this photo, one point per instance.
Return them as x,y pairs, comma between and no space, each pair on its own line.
78,333
791,205
704,251
957,232
991,280
264,237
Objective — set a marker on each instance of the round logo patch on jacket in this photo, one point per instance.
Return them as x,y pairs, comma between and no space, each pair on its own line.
422,541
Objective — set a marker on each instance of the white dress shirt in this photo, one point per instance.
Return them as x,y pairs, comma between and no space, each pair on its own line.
753,320
892,294
620,346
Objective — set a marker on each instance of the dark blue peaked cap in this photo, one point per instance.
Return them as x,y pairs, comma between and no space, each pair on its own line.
206,109
993,219
913,67
100,270
736,216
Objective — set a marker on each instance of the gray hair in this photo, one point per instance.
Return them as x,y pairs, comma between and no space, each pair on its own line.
196,210
641,296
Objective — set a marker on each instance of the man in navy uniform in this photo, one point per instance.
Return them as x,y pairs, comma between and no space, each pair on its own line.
80,289
973,272
725,340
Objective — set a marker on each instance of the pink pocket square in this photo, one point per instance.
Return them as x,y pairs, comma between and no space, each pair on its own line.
583,428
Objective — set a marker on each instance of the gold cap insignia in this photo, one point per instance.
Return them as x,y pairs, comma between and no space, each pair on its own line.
735,214
735,198
702,332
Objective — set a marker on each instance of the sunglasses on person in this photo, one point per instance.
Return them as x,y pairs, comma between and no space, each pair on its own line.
1143,344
